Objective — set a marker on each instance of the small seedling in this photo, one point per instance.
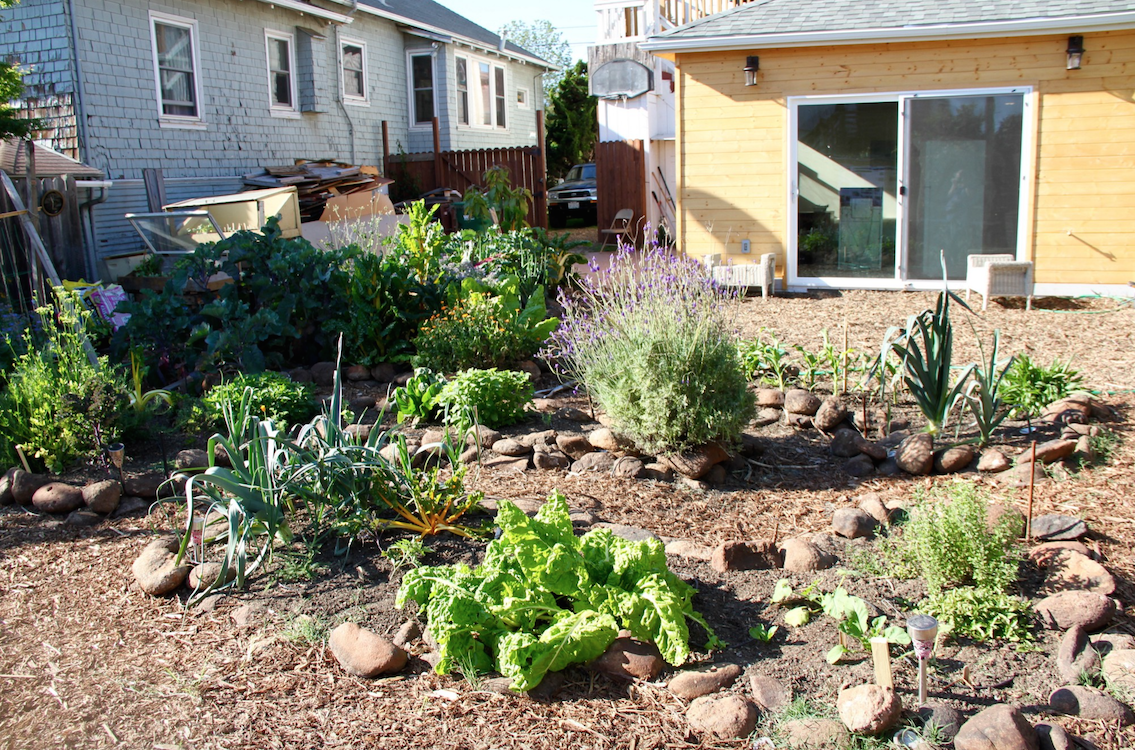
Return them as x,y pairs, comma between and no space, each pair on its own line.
763,633
406,553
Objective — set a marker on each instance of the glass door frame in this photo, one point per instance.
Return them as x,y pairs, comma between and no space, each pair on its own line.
898,280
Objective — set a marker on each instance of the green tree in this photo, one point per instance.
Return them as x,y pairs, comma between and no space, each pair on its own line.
11,124
572,123
545,41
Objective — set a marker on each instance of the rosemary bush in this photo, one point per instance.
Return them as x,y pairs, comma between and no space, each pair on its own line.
651,338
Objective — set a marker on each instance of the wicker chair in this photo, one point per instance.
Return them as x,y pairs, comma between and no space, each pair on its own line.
759,274
999,276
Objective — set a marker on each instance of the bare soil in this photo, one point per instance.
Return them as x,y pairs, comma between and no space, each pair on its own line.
87,660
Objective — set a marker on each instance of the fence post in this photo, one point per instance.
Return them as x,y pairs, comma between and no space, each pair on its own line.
541,174
385,147
437,154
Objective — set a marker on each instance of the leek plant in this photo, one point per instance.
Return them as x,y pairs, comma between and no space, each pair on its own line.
983,394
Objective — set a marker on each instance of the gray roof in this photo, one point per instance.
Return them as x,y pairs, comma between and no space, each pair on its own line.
787,17
434,15
48,163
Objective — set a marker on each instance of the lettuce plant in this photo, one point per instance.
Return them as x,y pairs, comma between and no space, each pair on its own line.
544,598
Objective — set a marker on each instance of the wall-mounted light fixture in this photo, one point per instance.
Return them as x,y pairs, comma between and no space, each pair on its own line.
1075,52
752,65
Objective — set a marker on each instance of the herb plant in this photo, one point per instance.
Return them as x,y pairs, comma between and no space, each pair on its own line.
651,339
982,613
494,398
271,395
544,599
1029,387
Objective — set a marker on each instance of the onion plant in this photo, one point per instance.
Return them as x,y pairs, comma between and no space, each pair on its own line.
983,394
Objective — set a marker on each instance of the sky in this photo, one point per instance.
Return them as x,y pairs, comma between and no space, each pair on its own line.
574,18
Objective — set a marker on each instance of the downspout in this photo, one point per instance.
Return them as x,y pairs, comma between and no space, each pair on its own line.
339,72
90,256
78,106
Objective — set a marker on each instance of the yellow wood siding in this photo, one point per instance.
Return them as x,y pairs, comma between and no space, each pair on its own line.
733,139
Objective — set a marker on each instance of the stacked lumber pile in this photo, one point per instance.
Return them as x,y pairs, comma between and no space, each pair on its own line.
316,182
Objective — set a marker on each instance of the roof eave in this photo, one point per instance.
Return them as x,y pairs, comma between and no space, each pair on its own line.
311,10
1019,27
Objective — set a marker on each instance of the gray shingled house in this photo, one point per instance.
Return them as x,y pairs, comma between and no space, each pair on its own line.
208,90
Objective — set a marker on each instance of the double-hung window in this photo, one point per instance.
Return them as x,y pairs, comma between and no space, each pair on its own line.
501,102
488,107
353,61
176,69
422,88
281,73
462,90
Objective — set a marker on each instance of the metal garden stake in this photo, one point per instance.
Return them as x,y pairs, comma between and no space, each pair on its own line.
923,629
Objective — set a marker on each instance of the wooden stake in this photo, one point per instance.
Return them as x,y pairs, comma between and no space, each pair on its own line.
1032,484
881,655
843,357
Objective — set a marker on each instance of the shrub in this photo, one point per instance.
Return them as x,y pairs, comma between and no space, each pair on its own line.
495,398
418,400
58,404
482,326
272,396
1029,387
981,613
651,340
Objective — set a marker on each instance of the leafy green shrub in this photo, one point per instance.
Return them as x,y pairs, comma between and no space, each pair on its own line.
483,327
495,398
544,599
59,405
1029,387
418,400
271,396
981,613
651,338
510,204
535,257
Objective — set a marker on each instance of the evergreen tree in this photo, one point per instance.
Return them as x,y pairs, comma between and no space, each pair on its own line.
572,122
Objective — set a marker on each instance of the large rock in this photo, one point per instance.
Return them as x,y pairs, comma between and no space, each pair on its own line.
946,718
1022,475
874,451
57,497
606,440
549,460
1090,703
694,683
575,446
915,455
25,484
853,523
696,462
599,461
1048,452
1076,657
1068,411
102,497
1119,669
999,727
1107,643
629,659
205,574
754,555
814,734
993,461
355,373
770,397
800,401
845,443
872,504
689,550
323,373
770,693
6,486
953,460
801,556
364,653
726,717
830,414
191,459
1071,571
628,467
1044,554
766,416
155,569
1069,608
868,709
1054,527
1053,737
859,466
510,447
82,518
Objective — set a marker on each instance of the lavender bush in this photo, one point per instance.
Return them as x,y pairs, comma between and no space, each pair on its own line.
651,338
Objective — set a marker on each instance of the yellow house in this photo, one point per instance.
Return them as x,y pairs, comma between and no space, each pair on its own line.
860,140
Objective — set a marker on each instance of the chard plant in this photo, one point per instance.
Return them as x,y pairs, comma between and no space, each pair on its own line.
651,339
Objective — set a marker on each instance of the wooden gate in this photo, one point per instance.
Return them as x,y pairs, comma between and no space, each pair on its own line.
620,172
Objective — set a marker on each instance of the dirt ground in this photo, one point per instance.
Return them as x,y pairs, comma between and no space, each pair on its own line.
87,660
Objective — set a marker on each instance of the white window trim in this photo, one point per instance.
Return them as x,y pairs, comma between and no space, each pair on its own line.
410,55
476,107
527,103
278,110
178,121
358,101
1028,172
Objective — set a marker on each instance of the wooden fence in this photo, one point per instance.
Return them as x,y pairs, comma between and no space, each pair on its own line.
620,172
417,173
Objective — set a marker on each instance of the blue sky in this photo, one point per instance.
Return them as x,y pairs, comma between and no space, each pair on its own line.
574,18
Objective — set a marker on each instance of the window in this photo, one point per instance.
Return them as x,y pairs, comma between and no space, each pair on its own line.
522,98
422,83
281,72
353,62
486,94
462,90
502,103
175,68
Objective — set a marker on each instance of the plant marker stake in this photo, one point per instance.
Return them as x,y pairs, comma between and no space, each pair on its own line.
923,629
843,357
881,655
197,539
23,458
1032,484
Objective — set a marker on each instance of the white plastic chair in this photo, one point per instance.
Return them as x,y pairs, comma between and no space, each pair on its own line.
760,274
999,276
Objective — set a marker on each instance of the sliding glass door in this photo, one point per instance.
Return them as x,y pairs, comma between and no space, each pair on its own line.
887,186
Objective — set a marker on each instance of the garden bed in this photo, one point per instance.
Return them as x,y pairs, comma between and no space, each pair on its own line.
86,659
